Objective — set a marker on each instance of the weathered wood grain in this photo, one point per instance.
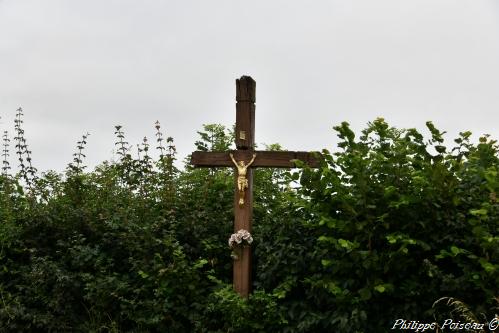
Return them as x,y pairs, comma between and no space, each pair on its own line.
245,113
243,217
269,159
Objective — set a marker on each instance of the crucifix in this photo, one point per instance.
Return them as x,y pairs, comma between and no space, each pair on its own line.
243,160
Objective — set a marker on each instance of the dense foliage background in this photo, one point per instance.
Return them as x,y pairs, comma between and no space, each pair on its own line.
388,226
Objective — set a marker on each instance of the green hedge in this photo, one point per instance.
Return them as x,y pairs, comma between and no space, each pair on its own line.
389,224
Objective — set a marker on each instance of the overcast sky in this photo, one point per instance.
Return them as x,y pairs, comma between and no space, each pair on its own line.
78,66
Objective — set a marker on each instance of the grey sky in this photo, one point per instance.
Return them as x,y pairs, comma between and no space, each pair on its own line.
78,66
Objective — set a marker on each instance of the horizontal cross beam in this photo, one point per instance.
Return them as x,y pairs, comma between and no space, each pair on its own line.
269,159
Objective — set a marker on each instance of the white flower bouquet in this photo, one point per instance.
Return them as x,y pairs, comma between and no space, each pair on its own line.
240,238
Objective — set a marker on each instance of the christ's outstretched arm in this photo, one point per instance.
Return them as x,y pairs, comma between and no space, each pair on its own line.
252,160
232,158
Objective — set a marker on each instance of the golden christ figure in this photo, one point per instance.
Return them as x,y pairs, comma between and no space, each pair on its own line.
242,182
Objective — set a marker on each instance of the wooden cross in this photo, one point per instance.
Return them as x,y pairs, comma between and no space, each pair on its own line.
243,200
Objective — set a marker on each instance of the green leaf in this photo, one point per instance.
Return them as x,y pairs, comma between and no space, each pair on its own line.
346,244
365,294
489,267
333,288
478,212
326,262
298,163
143,274
326,239
200,263
391,239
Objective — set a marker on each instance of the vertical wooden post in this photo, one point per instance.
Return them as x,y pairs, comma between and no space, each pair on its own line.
245,113
243,218
245,139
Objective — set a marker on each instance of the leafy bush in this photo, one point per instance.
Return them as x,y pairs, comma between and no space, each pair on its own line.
388,225
401,227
